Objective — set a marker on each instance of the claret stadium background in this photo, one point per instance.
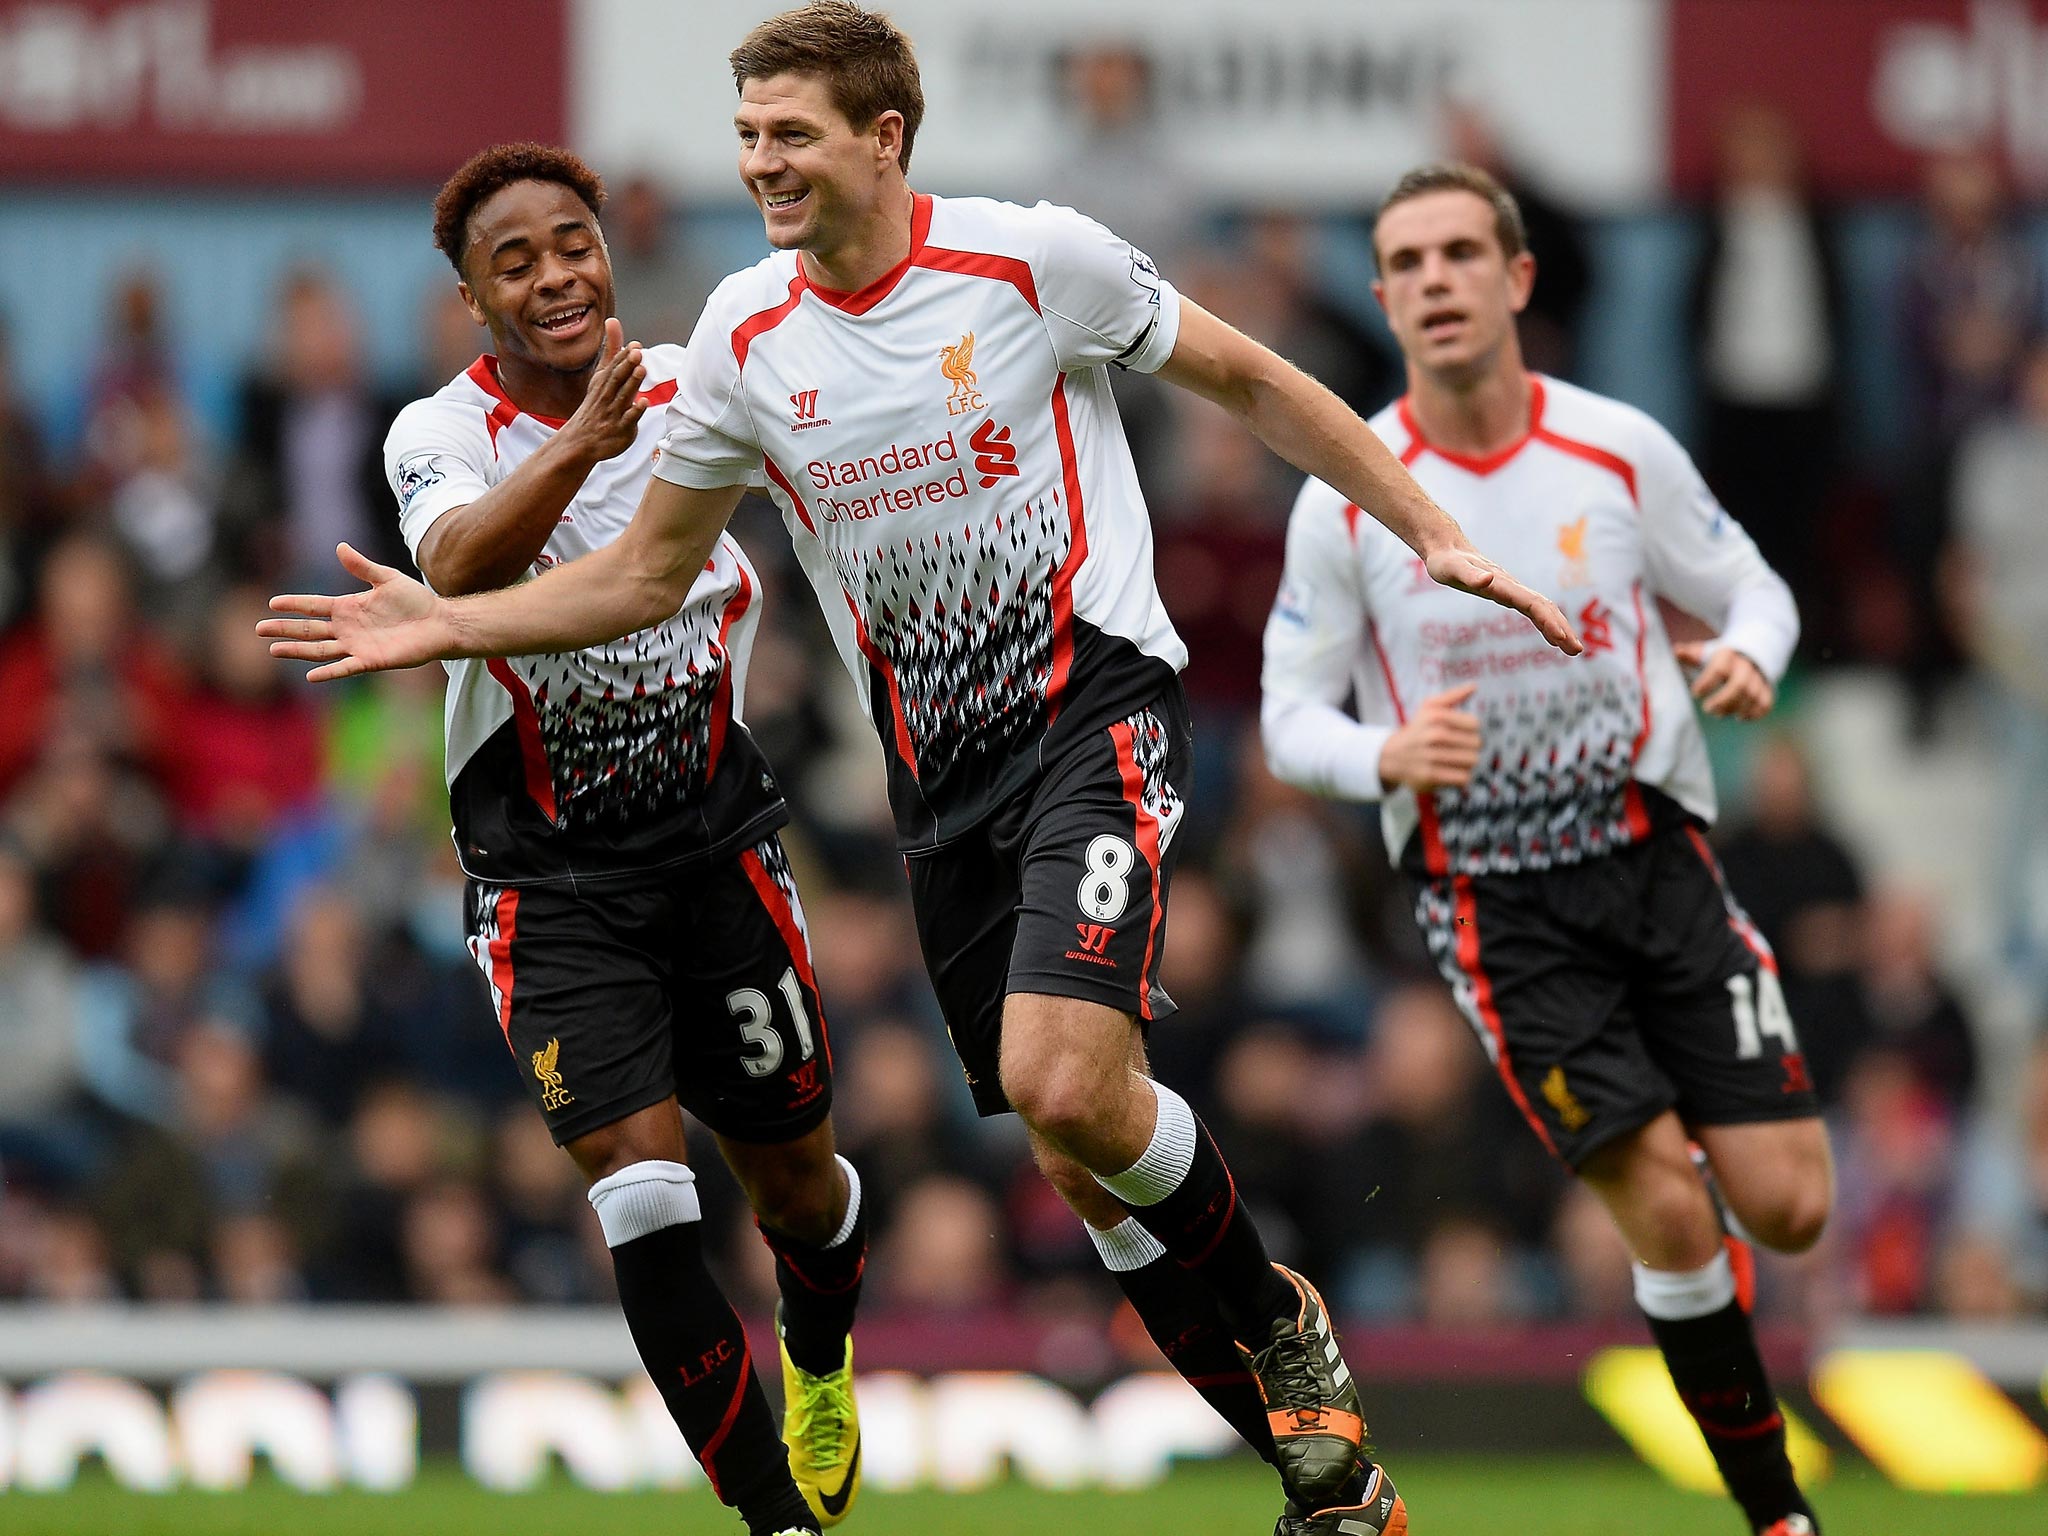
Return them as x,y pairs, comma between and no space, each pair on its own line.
275,1215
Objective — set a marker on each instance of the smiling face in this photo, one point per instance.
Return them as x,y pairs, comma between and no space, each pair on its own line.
818,180
535,271
1450,291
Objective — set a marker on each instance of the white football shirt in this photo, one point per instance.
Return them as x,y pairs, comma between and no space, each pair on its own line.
615,758
1599,507
949,461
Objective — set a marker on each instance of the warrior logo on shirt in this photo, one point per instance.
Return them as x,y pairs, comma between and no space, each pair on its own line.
957,364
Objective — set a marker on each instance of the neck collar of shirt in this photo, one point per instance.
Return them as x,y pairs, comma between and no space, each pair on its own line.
1487,464
865,299
484,374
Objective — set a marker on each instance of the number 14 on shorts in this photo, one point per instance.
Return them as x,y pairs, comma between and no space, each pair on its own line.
1758,1004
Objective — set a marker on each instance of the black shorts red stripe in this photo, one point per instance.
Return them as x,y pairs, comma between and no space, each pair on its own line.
695,982
1062,891
1608,991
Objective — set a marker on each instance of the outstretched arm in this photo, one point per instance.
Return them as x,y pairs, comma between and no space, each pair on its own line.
1319,434
639,579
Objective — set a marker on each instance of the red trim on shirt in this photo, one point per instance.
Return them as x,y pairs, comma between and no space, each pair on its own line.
1123,738
1486,465
1352,512
755,324
1466,928
776,900
500,956
721,706
862,300
1632,797
540,781
1077,553
802,513
661,394
1592,455
484,374
867,647
1434,859
1001,269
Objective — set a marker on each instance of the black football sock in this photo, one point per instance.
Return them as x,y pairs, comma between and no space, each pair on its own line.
1181,1315
820,1285
693,1345
1182,1194
1709,1345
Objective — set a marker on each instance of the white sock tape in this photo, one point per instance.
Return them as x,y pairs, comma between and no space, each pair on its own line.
642,1198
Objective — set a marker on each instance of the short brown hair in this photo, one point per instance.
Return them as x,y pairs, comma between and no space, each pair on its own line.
496,169
863,57
1456,176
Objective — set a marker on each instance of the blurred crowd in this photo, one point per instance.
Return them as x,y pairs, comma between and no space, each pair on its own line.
244,1054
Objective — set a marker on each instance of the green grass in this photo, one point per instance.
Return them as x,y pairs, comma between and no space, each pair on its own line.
1448,1496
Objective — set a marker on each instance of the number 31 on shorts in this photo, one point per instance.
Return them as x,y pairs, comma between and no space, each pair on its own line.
765,1049
1759,1007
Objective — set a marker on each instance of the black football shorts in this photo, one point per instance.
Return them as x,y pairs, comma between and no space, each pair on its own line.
694,981
1062,891
1608,991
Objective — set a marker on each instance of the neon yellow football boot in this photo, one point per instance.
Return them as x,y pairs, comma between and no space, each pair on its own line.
821,1427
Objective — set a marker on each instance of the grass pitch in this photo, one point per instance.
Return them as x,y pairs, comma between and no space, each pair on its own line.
1447,1496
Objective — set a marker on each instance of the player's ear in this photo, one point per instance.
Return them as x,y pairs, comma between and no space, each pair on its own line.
1521,280
889,137
476,310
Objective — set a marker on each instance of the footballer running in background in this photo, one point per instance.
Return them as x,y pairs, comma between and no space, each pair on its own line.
628,899
1551,809
924,384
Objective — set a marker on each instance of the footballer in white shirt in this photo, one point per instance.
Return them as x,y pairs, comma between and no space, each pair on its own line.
629,903
1551,808
923,384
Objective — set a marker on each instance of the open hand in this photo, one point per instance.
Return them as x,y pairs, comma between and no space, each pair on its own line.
608,420
1469,571
395,623
1437,746
1729,683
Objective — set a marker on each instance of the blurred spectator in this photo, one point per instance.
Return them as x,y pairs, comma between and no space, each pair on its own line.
398,1143
254,1259
541,1194
42,1129
227,1150
1592,1258
248,742
891,1115
1564,271
659,290
944,1252
1466,1276
1803,889
1913,1011
1969,307
1441,1141
68,1257
140,1015
1895,1148
96,835
450,340
1279,296
325,1040
450,1244
28,499
1998,605
2006,1191
1118,165
1767,306
309,463
134,362
82,671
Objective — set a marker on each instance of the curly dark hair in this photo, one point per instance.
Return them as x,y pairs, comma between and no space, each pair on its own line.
497,168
